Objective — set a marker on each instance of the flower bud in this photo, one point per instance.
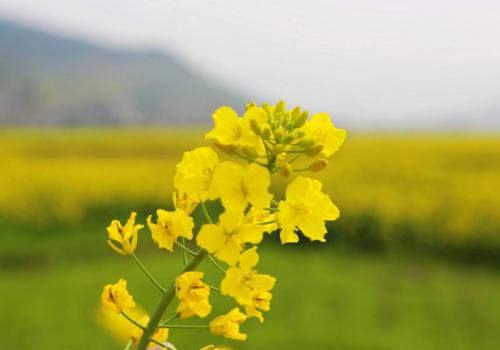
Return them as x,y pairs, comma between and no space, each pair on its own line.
278,134
266,132
280,107
277,149
297,134
307,142
313,151
288,138
286,170
301,119
254,125
318,165
296,112
250,105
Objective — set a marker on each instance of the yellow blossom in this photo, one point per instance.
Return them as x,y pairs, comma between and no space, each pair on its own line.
249,288
116,297
125,236
227,238
321,129
239,185
169,226
193,294
161,334
185,202
228,325
232,131
305,208
195,171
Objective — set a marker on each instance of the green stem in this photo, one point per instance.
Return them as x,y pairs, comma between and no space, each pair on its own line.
168,320
181,326
165,301
213,261
132,320
266,222
129,345
150,276
158,343
186,250
212,287
205,212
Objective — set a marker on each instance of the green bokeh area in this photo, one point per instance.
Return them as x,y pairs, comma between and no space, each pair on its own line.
324,299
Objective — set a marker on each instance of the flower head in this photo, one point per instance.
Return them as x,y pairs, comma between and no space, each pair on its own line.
125,236
195,171
228,325
185,202
193,294
238,185
227,239
305,208
169,226
116,297
249,288
234,132
322,131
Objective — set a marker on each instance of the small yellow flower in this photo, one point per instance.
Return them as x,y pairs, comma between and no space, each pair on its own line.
193,294
306,208
116,297
161,334
233,131
227,239
169,226
185,202
249,288
213,347
239,185
321,129
125,236
195,171
228,325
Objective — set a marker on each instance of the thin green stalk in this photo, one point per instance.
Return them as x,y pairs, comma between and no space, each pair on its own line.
266,222
132,320
212,287
165,301
205,212
150,276
181,326
158,343
168,320
185,249
213,261
129,345
184,252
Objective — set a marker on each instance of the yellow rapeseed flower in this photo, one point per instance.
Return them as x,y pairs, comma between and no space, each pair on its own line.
116,297
161,334
125,236
249,288
321,129
170,225
195,171
227,238
193,294
239,185
228,325
185,202
232,131
305,208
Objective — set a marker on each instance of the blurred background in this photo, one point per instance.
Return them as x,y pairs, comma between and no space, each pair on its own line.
98,100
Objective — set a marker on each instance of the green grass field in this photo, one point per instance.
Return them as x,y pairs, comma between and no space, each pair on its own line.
324,299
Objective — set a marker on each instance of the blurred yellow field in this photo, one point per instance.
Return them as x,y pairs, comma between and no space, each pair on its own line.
428,188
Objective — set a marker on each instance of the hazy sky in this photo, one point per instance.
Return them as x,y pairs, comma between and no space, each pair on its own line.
377,62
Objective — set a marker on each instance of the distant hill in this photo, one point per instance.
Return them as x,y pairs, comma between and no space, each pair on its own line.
49,79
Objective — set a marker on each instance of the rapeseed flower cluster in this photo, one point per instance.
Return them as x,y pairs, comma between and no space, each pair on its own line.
266,140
